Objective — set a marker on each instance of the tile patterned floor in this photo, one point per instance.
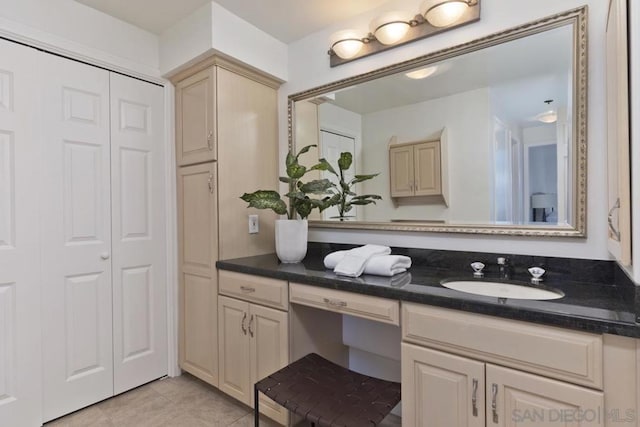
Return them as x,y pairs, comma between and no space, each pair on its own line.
182,401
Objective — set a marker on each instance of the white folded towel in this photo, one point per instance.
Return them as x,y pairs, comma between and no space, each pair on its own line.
381,265
353,262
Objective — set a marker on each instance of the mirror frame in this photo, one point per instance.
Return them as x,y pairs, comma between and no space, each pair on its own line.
575,17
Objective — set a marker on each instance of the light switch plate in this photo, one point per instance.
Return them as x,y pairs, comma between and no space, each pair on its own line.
254,225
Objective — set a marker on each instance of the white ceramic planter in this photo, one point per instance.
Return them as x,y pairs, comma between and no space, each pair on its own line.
291,239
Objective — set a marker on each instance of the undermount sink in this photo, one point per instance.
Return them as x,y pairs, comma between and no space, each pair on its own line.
502,290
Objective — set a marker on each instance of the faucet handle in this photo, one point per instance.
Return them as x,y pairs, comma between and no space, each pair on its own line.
477,269
502,260
537,273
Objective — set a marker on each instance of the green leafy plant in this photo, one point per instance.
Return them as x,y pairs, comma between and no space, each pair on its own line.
344,196
299,195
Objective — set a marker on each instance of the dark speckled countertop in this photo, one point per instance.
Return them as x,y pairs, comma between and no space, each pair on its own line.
603,303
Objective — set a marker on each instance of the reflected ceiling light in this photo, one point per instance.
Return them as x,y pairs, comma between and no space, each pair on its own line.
346,43
391,27
442,13
550,116
422,73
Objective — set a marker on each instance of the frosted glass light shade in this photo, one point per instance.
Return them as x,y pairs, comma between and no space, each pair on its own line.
346,43
422,73
442,13
391,27
550,116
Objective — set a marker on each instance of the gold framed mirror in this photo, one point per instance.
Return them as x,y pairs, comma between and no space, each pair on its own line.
490,138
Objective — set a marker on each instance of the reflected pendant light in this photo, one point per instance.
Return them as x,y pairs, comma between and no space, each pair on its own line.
391,27
442,13
346,43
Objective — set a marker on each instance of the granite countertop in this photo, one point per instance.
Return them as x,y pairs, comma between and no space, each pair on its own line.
587,306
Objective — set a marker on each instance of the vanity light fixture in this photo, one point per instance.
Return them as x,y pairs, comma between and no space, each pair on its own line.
391,27
397,28
422,73
346,43
442,13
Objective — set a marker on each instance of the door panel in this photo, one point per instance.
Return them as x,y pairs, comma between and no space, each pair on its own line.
195,119
235,374
438,389
76,233
401,170
138,196
20,341
523,400
198,231
427,169
269,333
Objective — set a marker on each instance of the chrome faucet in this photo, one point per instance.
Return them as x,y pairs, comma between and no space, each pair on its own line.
504,269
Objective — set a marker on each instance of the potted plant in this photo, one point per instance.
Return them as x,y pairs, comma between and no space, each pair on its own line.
344,196
291,233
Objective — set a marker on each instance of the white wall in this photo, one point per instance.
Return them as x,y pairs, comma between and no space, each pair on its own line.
309,67
213,28
90,34
634,27
466,118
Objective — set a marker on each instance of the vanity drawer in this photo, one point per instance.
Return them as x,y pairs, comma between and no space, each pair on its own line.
571,356
365,306
261,290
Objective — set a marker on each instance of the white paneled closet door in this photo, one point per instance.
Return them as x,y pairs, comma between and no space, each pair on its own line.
76,236
138,239
20,369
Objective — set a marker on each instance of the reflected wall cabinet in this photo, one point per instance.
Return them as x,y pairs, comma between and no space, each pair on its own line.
226,144
82,235
418,169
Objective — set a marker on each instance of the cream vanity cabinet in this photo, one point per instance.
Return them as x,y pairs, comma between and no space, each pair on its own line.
418,169
253,336
226,131
462,369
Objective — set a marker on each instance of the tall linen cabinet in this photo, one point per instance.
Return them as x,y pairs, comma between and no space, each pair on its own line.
226,144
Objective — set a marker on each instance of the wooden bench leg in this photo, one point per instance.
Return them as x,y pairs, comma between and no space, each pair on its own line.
256,409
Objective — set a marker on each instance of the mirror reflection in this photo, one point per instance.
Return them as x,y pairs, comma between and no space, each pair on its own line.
484,138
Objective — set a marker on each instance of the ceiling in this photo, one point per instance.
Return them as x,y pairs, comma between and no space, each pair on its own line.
286,20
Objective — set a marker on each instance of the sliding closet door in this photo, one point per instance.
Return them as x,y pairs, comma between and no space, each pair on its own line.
138,221
20,369
76,233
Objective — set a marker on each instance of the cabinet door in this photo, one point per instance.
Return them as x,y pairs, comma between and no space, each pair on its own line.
138,232
76,237
197,229
618,164
517,399
428,180
235,374
440,389
269,332
401,169
195,118
20,348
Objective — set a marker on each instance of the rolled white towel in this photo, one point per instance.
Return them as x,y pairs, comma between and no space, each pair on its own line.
353,262
387,265
381,265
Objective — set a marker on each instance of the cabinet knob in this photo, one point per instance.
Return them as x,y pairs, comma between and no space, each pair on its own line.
474,398
494,402
105,255
210,183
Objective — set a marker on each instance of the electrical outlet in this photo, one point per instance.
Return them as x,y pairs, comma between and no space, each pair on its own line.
254,226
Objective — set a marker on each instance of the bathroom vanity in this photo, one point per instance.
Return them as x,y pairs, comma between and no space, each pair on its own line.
466,360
